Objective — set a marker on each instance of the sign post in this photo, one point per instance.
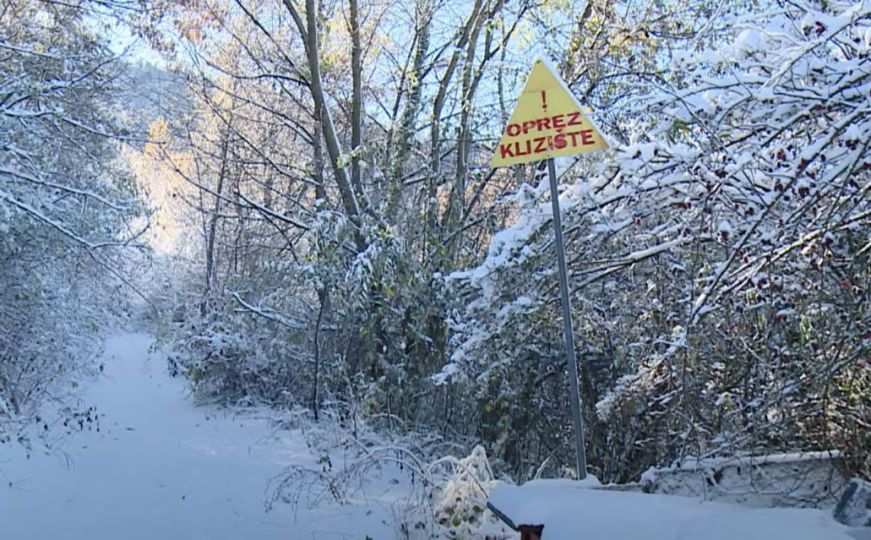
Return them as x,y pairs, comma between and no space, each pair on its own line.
568,334
548,122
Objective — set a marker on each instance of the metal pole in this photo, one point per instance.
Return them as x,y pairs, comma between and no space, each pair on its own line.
575,397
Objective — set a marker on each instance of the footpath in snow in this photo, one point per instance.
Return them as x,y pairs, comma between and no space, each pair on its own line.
163,469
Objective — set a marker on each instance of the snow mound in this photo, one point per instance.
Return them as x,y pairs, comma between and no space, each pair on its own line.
568,513
804,479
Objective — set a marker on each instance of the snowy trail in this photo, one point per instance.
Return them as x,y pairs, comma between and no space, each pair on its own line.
161,468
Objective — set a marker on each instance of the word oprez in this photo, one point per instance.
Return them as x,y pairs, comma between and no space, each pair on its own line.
563,138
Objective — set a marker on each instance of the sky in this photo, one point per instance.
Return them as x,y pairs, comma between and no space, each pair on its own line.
122,41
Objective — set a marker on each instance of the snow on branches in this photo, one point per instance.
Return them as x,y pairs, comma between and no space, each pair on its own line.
65,204
719,260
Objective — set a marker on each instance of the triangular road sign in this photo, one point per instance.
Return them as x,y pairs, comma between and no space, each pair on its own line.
547,122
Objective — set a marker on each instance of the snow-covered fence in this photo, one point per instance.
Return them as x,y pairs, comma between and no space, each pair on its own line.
810,479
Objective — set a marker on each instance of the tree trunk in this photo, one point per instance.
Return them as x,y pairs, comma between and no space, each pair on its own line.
356,100
213,222
309,30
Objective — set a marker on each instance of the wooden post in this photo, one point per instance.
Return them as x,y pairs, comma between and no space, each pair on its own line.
530,532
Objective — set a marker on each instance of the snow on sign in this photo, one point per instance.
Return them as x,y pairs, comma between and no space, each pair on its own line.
547,122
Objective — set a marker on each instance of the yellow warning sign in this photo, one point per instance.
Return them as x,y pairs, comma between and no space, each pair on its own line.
547,122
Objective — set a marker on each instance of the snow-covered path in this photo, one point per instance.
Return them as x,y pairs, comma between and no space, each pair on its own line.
163,469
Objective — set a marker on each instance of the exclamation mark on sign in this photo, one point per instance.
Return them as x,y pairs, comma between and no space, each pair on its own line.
544,100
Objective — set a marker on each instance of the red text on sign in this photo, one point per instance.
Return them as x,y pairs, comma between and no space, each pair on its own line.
539,145
558,121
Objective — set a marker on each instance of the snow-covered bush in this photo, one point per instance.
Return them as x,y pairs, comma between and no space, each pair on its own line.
719,260
717,253
236,359
67,207
459,509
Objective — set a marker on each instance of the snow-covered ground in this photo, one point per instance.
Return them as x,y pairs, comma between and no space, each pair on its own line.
162,469
570,511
